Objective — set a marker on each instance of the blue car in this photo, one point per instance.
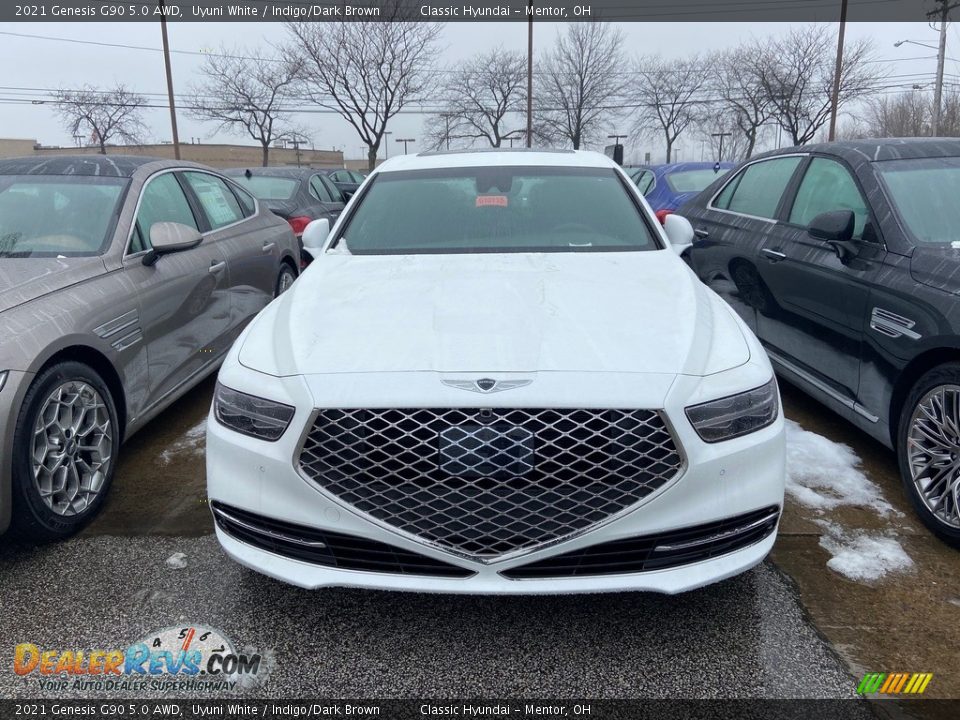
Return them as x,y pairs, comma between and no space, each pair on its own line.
667,187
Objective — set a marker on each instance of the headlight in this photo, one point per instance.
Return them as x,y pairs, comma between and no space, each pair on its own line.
251,415
3,378
735,415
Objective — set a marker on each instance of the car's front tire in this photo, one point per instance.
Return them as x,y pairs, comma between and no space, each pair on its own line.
928,449
64,452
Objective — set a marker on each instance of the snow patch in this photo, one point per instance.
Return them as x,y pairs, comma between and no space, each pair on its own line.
192,443
862,556
177,561
823,474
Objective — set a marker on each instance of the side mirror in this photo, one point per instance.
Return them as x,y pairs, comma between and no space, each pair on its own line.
836,229
170,237
679,231
314,236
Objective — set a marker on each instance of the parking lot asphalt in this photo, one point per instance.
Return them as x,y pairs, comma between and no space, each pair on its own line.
791,627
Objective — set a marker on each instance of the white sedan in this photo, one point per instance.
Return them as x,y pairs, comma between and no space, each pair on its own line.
497,377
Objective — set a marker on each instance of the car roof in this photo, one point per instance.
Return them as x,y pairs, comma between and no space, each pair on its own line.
879,149
122,166
290,172
497,157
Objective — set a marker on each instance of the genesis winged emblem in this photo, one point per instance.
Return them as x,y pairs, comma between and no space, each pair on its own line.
486,385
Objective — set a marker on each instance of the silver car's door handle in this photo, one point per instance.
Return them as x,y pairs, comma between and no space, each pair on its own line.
773,255
267,247
217,266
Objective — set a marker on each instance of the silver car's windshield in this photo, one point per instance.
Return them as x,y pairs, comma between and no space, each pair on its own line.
57,215
924,193
498,210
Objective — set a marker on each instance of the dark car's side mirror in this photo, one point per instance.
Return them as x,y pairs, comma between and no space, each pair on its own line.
836,229
170,237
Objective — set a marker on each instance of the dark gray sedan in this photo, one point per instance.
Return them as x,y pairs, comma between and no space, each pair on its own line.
123,282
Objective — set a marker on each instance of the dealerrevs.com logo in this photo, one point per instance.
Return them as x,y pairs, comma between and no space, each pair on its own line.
194,658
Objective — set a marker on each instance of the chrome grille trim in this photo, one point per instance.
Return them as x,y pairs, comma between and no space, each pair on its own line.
590,467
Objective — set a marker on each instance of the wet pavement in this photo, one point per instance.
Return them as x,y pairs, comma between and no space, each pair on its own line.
790,628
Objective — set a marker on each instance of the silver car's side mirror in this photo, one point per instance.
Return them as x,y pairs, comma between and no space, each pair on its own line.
315,235
679,231
170,237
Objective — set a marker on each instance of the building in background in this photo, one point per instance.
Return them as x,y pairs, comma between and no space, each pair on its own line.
218,156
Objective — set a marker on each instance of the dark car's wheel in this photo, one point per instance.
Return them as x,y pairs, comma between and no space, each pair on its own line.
64,452
928,445
284,280
752,288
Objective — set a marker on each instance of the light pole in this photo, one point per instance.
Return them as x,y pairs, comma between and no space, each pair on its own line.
530,73
166,64
405,141
721,135
386,147
835,97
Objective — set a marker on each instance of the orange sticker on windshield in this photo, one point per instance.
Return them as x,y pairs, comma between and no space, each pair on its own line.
492,201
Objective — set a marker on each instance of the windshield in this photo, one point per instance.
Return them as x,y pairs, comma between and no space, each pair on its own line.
924,193
47,216
693,180
497,209
266,187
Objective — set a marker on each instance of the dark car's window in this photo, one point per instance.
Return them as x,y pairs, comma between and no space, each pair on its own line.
757,189
319,190
827,185
267,187
218,203
497,209
162,201
925,193
42,216
341,176
693,180
357,177
331,188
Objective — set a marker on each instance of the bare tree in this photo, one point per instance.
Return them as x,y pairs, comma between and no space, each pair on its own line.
247,96
669,97
365,72
580,76
797,72
113,114
909,114
482,99
737,83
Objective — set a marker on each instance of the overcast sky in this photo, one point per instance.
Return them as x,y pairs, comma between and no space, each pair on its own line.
40,63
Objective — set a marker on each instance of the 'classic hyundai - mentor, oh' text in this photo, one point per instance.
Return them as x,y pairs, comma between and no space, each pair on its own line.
497,377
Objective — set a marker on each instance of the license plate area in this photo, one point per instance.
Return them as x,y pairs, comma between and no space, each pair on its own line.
499,450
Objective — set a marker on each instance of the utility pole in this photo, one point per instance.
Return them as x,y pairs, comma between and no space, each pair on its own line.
405,141
721,135
943,12
529,72
166,63
835,99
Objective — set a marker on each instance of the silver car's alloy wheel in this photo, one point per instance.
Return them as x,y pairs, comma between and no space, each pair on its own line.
933,452
72,448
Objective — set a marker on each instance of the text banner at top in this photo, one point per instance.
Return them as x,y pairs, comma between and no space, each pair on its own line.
479,11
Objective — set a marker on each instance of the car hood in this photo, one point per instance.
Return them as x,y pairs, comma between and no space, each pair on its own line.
640,312
26,279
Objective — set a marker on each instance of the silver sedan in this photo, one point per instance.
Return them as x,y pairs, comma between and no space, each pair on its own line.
123,282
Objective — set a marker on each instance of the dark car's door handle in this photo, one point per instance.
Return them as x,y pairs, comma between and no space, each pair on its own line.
701,233
773,255
216,267
268,246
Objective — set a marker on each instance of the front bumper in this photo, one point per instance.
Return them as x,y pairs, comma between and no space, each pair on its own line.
719,481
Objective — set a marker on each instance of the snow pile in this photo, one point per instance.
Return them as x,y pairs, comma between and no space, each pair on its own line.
191,444
862,556
177,561
823,474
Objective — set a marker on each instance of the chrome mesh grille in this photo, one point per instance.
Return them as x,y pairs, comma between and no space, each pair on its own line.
489,481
